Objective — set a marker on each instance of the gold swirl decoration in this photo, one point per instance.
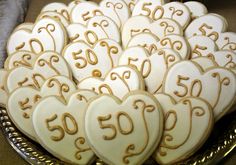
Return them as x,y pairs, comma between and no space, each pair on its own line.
125,76
167,28
131,149
52,59
115,7
229,44
111,50
78,143
176,45
24,61
50,28
103,24
167,137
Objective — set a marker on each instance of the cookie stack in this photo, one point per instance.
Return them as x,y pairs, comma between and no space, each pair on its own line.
124,81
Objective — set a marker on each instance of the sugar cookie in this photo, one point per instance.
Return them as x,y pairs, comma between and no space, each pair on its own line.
60,127
150,65
86,61
201,46
55,15
159,28
197,9
21,101
97,28
47,34
177,43
186,78
47,65
210,25
3,92
146,40
188,123
118,82
131,128
117,10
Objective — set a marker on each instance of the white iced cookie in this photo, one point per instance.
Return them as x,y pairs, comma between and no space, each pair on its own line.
150,8
97,28
47,65
118,82
21,101
186,78
61,8
20,58
225,58
201,46
60,127
46,35
210,25
86,61
227,41
54,15
117,10
146,40
131,4
205,62
159,28
177,43
150,65
197,9
188,123
178,12
3,92
25,25
124,131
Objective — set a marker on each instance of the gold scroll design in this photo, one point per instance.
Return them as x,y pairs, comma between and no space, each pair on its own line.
134,32
230,62
131,150
222,81
115,7
24,61
145,63
167,137
90,58
62,87
32,49
213,35
50,28
167,28
125,76
176,45
150,48
111,50
152,14
102,25
175,12
229,44
35,77
53,59
24,105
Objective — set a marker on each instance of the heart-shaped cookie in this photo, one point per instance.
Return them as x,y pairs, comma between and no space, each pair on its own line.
124,131
150,65
21,101
188,124
177,43
210,25
60,127
201,46
47,34
186,78
61,8
197,9
86,61
146,40
225,58
54,15
117,10
47,65
118,82
3,93
227,41
97,28
159,28
155,10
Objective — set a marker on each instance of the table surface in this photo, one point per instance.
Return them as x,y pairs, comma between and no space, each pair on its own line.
227,8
